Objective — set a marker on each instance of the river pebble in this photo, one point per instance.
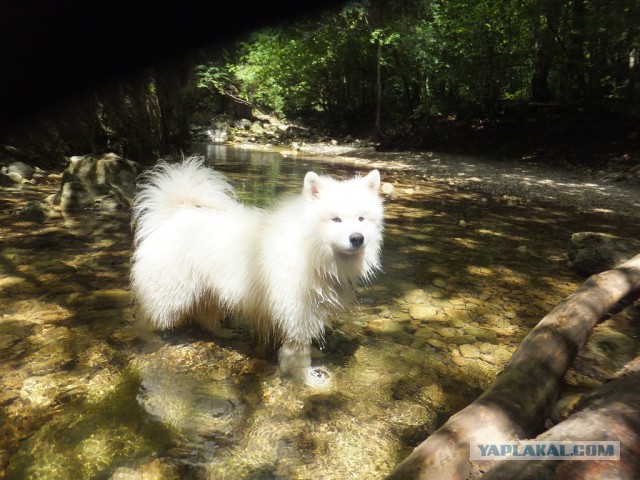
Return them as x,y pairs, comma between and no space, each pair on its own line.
461,339
439,344
426,312
417,296
469,351
439,282
97,299
481,333
447,332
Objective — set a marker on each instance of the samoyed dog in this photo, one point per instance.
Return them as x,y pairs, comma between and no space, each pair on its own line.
200,255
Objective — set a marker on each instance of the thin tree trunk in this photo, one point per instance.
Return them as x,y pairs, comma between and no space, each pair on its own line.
576,53
634,58
516,405
380,42
379,92
540,91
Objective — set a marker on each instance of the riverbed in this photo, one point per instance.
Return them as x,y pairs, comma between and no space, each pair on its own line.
467,272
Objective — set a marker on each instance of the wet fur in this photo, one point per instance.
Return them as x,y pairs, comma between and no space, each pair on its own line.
199,254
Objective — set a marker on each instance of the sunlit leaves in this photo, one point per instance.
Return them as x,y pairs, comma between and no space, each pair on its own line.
437,57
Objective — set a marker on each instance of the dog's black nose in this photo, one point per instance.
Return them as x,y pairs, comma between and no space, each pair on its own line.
356,239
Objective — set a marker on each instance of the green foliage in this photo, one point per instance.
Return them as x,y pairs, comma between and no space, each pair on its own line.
436,57
213,77
274,72
307,67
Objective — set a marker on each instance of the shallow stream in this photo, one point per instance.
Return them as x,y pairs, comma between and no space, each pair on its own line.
465,278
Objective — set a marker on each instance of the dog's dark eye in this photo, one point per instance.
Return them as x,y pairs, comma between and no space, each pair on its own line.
336,219
361,219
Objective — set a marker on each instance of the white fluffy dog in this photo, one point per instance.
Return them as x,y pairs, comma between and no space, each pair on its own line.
201,255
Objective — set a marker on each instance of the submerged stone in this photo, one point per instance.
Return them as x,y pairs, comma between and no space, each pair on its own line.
481,333
97,299
434,342
447,332
461,339
426,312
469,351
415,296
439,282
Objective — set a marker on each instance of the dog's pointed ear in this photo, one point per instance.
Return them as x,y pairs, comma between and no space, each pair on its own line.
372,180
312,186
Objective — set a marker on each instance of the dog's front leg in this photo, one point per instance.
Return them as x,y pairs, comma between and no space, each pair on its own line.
295,360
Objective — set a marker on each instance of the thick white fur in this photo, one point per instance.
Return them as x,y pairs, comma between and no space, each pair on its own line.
199,254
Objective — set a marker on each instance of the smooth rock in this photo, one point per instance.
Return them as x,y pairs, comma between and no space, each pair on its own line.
384,325
461,339
424,332
25,171
439,282
415,296
425,312
447,332
592,252
481,333
439,344
98,182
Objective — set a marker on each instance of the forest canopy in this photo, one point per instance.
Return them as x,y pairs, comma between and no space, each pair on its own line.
400,61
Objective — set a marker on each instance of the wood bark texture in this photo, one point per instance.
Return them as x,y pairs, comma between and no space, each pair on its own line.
611,414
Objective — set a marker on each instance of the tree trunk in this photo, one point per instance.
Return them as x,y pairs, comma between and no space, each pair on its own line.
380,42
611,414
379,92
170,79
576,55
516,405
543,43
634,57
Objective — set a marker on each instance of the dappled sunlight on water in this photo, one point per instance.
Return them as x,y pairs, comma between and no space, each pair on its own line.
465,278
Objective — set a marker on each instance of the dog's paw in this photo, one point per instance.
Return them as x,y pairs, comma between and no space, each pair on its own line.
317,377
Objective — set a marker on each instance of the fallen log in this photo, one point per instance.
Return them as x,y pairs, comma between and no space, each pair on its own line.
612,413
517,404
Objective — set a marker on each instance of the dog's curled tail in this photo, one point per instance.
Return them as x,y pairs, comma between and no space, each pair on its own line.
167,187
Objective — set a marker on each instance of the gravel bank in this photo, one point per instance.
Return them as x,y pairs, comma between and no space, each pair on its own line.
579,188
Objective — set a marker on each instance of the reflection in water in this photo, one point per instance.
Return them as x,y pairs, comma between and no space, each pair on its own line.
83,397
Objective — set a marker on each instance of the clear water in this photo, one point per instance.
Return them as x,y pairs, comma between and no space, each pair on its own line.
84,397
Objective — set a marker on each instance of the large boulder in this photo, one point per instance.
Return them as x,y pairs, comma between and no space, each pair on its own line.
592,252
104,182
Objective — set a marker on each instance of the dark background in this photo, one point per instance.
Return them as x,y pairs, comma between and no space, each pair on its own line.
50,49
